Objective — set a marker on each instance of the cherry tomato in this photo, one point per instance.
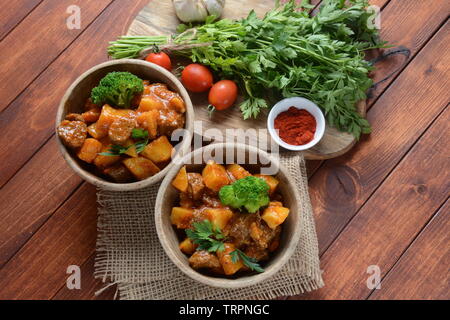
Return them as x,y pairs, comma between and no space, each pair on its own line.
161,59
223,94
197,78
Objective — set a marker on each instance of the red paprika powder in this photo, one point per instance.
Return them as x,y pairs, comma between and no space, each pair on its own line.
295,126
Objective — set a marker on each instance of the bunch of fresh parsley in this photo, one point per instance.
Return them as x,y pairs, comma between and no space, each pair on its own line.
209,237
287,53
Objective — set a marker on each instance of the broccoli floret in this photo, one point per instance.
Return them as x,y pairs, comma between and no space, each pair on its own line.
250,192
117,89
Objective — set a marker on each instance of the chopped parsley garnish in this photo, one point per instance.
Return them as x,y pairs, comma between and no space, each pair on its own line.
207,236
251,263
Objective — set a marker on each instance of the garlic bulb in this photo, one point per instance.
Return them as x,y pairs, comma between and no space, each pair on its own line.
214,7
197,10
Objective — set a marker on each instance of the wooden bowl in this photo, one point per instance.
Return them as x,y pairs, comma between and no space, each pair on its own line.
77,94
167,198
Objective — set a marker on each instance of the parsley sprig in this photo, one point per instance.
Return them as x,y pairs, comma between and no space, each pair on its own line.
251,263
210,238
136,134
207,236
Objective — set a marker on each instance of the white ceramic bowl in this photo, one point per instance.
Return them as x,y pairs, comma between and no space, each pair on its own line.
299,103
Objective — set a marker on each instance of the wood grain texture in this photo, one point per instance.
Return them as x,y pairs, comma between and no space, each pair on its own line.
68,238
89,286
12,12
40,43
409,24
422,272
391,218
342,185
26,134
159,17
31,197
45,182
22,136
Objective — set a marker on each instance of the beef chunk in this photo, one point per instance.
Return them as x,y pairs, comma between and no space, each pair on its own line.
204,259
72,133
195,185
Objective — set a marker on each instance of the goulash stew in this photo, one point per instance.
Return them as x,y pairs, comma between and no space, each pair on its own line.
228,219
124,132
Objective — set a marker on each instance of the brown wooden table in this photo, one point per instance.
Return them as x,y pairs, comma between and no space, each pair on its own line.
385,203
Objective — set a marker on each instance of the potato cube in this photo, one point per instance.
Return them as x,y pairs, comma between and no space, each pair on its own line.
271,181
159,150
215,176
196,186
141,168
105,161
181,180
132,152
187,246
149,103
91,115
182,217
275,204
275,215
109,115
229,267
97,133
178,104
237,171
106,117
218,216
89,150
149,121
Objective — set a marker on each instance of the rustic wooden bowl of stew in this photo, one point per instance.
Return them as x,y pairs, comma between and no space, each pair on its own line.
75,97
254,160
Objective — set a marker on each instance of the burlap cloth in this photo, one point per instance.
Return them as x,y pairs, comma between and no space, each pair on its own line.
129,253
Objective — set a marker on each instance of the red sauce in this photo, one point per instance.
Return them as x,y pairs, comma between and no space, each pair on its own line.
296,126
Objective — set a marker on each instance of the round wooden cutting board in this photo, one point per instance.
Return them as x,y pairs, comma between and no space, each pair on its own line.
159,18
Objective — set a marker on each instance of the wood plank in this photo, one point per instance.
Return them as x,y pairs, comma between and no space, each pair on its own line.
89,286
23,135
392,217
108,26
342,185
409,24
422,272
32,45
32,196
12,12
38,270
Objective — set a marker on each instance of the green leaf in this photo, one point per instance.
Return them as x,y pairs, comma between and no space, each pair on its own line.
251,263
138,133
255,67
207,236
115,150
